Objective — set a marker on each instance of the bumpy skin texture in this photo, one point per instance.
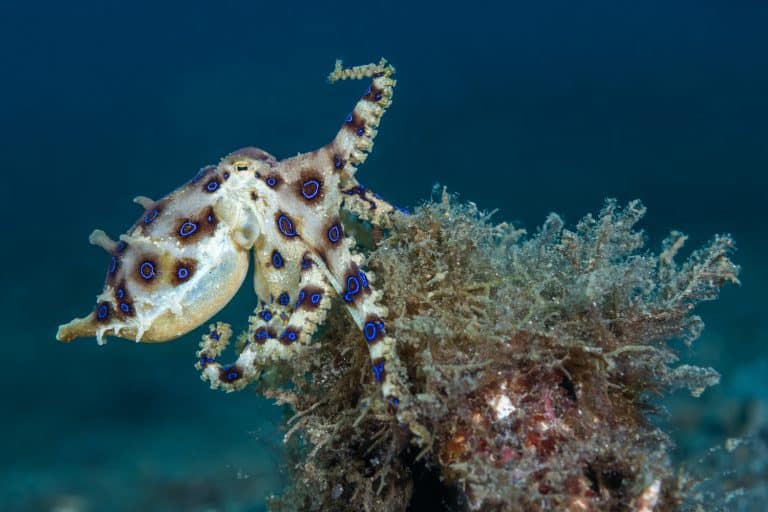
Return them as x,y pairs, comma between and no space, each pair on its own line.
187,256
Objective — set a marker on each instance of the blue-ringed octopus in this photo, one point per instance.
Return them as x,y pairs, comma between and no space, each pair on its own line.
185,258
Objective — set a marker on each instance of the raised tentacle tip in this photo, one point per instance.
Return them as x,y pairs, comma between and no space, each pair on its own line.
101,239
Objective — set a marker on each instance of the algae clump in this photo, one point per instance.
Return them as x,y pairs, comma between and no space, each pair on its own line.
531,361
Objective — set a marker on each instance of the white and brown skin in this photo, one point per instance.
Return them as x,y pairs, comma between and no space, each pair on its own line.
187,256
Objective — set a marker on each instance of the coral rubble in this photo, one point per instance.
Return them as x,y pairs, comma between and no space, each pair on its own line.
532,362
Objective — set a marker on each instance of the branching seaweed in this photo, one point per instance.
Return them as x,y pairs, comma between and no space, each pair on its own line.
531,362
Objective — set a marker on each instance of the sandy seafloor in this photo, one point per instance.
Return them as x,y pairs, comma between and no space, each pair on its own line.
525,109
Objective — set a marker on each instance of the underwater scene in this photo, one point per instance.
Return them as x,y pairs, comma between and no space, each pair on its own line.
384,256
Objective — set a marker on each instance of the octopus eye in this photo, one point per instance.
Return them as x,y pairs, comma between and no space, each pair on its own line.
241,166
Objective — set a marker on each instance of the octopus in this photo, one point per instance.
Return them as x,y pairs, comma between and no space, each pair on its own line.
187,255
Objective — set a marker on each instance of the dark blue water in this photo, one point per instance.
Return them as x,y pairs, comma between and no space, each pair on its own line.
526,108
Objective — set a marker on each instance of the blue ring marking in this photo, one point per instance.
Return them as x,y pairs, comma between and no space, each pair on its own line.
102,313
310,183
368,90
284,299
334,233
338,163
226,175
363,279
121,246
266,315
125,308
315,298
205,360
210,218
285,225
289,334
187,228
214,335
277,259
212,186
112,265
151,215
306,263
147,270
378,370
349,118
231,373
302,295
353,285
261,333
347,297
120,294
370,330
182,273
377,97
271,181
360,131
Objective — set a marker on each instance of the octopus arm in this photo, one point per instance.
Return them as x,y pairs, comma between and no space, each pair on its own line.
354,139
276,331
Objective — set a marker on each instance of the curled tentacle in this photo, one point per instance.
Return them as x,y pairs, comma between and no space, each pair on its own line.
354,140
278,330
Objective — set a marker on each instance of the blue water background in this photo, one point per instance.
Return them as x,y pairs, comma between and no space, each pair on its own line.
529,108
